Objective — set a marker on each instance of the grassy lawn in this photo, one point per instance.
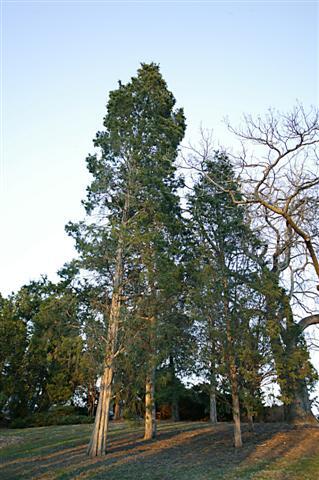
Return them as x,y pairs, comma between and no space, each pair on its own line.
183,451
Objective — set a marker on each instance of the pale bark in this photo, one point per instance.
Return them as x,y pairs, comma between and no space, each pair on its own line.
212,404
174,399
97,445
236,409
150,410
213,382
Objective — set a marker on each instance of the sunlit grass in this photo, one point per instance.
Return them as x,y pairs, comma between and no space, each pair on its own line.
183,451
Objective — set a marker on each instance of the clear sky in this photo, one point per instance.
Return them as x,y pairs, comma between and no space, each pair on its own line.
59,61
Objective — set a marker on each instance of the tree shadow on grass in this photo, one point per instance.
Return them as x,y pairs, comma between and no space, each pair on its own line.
186,452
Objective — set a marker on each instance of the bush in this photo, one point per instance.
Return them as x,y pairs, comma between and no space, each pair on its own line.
63,410
45,419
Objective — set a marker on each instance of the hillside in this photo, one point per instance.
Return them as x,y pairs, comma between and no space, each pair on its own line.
183,451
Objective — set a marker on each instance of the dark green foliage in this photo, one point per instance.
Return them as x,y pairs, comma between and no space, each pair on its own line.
134,224
223,297
136,154
13,343
62,416
41,357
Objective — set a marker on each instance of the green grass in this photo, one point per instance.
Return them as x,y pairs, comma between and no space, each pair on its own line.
182,451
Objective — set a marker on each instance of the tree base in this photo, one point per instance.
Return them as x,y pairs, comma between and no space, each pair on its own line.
296,415
308,419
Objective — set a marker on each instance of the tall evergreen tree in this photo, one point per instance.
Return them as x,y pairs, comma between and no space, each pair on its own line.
222,272
134,208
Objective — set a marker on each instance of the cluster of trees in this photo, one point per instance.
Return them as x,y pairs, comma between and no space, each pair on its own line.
51,356
197,269
45,357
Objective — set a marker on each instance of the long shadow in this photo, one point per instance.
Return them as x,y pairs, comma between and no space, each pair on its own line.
191,451
285,452
64,456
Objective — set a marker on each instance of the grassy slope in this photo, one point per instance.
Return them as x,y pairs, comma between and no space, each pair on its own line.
183,451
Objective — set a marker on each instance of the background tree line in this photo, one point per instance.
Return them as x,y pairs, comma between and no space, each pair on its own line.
189,263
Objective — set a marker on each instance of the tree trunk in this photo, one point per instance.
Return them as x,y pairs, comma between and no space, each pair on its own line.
150,410
250,418
91,399
298,412
175,409
235,404
97,445
285,344
117,408
232,369
174,386
212,403
213,383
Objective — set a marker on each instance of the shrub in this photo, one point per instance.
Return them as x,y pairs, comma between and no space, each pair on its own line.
45,419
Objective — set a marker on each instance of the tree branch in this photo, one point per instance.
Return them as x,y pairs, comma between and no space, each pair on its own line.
308,321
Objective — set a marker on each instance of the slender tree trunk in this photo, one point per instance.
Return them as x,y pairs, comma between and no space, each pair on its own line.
91,399
117,408
231,360
212,393
235,394
174,398
175,409
236,408
150,410
213,383
212,403
250,418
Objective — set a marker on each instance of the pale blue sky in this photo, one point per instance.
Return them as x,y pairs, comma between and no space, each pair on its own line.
59,61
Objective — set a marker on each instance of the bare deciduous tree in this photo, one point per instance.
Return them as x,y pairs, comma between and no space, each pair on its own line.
278,168
281,172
